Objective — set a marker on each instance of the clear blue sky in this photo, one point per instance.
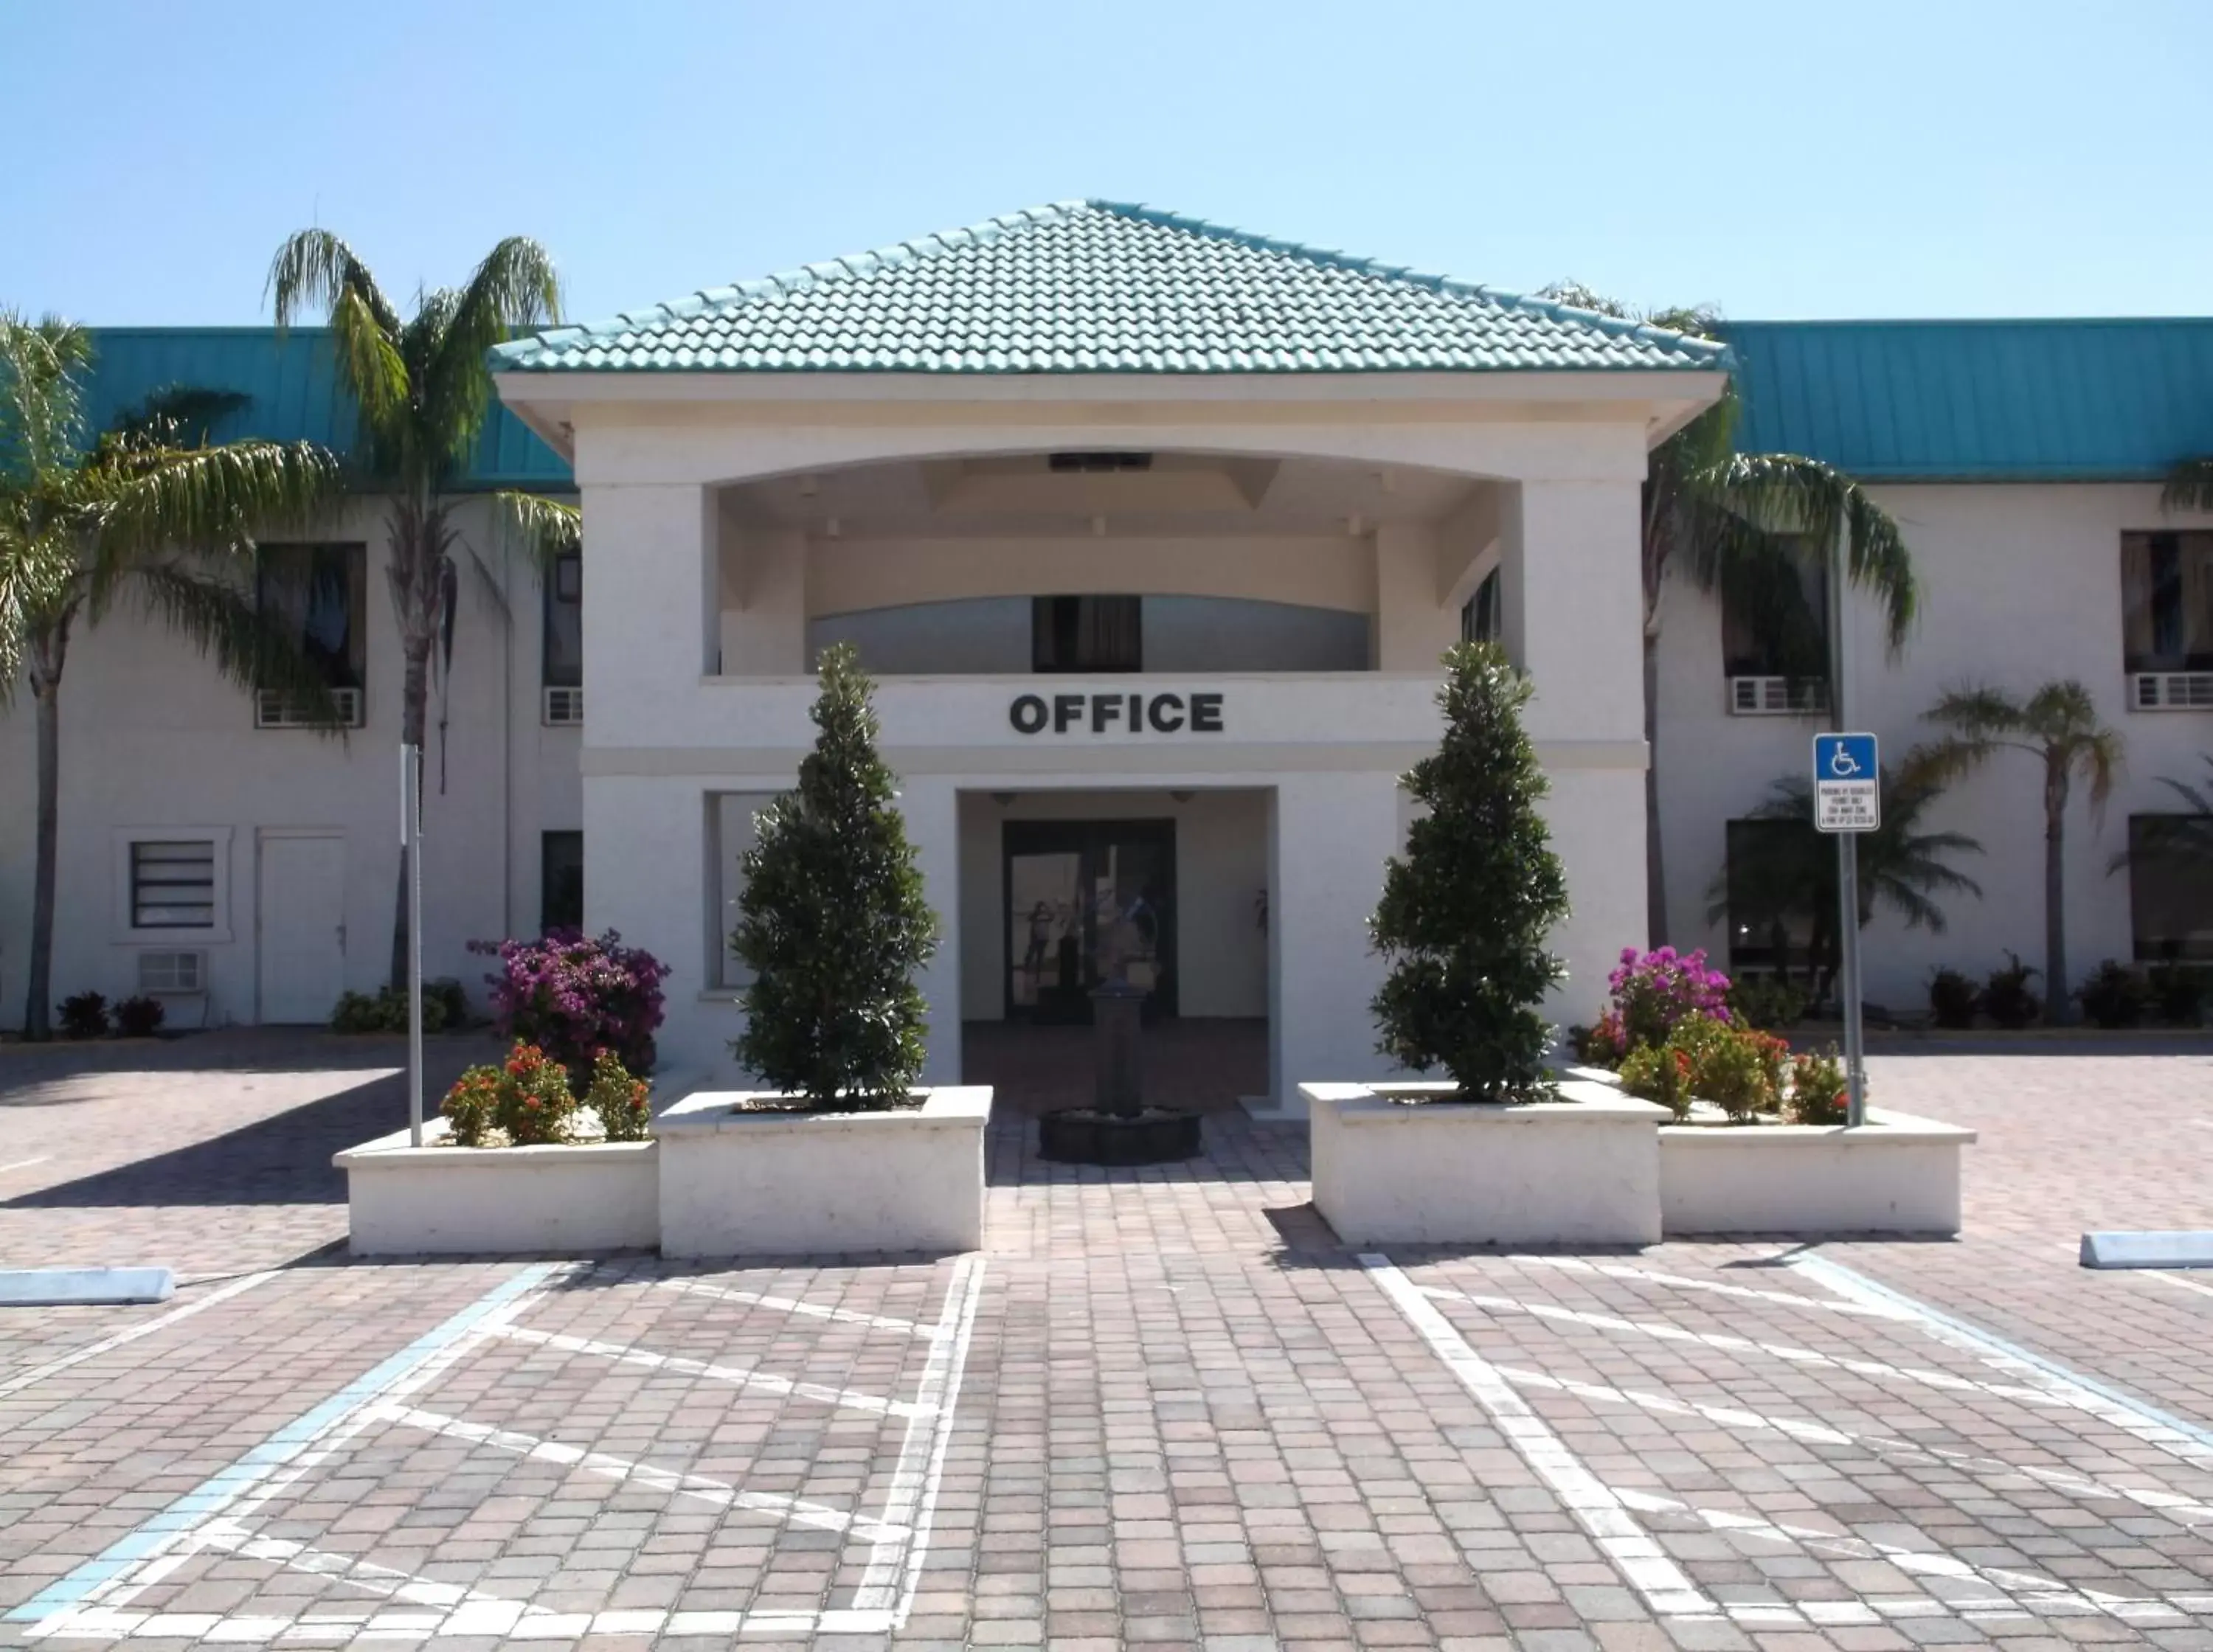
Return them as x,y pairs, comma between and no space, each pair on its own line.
1777,159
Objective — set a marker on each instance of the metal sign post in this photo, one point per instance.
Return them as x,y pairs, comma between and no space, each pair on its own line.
1848,801
410,849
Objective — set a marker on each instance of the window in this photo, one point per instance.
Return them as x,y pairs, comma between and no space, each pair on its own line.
2171,886
2167,601
1775,616
730,822
1099,463
1086,633
1780,886
316,593
560,880
173,884
1481,618
563,663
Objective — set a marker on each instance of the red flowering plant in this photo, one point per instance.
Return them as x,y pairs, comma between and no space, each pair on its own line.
527,1098
573,996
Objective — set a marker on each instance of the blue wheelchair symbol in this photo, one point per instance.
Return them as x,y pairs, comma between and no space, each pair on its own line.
1844,756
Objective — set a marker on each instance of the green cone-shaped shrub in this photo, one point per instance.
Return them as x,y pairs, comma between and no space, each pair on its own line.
833,923
1465,911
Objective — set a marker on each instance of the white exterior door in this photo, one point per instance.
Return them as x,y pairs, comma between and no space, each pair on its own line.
303,926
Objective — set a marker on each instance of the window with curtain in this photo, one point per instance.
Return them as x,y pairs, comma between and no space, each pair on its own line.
1086,633
317,592
563,661
2167,601
1775,616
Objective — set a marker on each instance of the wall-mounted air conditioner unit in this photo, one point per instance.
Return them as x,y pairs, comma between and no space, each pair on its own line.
1777,696
563,707
272,711
2170,691
172,974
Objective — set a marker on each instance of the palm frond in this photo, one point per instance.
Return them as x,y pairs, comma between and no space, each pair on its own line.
217,613
2189,486
515,288
544,529
316,269
175,416
212,501
42,395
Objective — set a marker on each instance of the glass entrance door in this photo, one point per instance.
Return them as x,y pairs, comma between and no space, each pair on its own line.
1088,901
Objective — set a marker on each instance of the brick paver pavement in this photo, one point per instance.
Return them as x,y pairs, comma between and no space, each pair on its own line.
1180,1414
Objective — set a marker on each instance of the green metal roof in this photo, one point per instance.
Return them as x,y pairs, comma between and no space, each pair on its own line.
1979,401
290,381
1101,287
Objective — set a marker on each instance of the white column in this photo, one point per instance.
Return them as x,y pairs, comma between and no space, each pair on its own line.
932,810
652,580
1575,620
1328,837
1412,628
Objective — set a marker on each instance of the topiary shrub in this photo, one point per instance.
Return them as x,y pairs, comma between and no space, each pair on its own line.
84,1016
140,1017
622,1102
834,924
2005,998
1952,998
1465,911
573,996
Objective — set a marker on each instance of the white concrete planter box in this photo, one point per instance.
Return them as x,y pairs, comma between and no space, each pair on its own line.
1583,1170
443,1200
735,1182
1895,1174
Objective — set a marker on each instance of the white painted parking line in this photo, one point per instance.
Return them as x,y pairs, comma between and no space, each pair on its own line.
738,1376
792,1305
351,1570
2166,1278
2183,1510
894,1568
25,1164
2040,1395
2185,1440
1742,1293
160,1544
1593,1505
224,1293
721,1493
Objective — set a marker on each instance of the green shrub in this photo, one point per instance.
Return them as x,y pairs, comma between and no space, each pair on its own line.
835,926
453,1002
140,1017
2005,998
1466,910
1658,1074
2114,996
1952,998
471,1106
84,1016
622,1102
1818,1092
386,1011
1766,1000
2179,991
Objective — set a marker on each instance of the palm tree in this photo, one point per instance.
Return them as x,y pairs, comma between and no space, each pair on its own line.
1732,521
2189,486
422,392
151,509
1902,865
2057,725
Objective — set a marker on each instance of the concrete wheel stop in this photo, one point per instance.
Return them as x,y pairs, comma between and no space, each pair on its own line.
1119,1129
2150,1250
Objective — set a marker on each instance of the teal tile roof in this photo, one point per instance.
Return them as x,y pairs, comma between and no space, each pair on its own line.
1983,401
293,395
1100,287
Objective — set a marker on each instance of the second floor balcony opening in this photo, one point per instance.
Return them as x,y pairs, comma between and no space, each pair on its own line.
1100,562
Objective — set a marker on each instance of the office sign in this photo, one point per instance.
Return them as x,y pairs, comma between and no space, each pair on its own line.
1116,713
1847,784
